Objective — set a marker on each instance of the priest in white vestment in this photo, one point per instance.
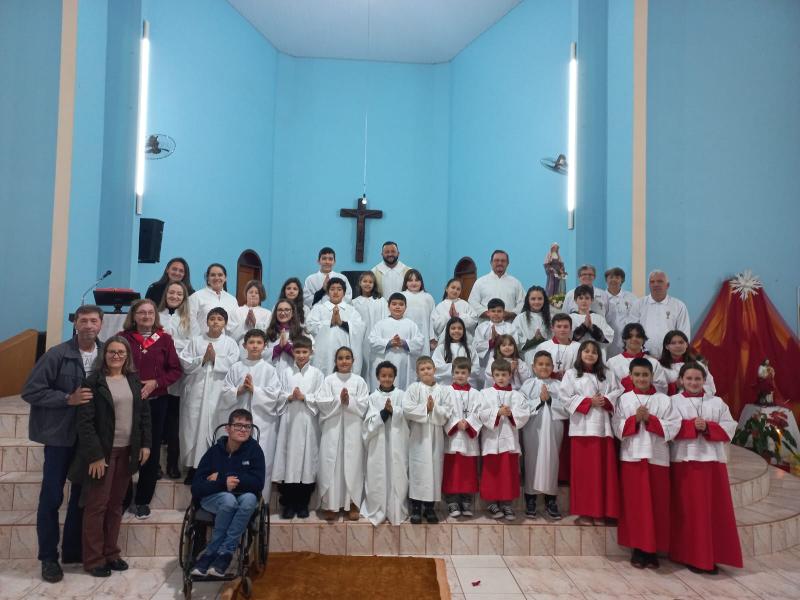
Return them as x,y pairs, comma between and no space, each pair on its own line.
390,272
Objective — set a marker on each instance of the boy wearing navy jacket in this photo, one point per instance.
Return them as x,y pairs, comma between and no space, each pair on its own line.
228,483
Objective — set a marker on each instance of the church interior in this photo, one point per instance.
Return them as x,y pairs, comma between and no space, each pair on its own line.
648,135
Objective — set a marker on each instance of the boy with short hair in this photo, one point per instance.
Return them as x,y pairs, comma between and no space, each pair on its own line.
462,444
645,422
487,332
335,323
561,348
426,407
620,309
386,441
396,339
586,324
503,411
228,483
315,288
297,449
542,436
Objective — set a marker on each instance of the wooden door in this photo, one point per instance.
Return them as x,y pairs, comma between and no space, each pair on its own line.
467,273
248,267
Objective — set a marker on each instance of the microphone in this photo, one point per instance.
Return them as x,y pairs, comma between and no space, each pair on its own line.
94,285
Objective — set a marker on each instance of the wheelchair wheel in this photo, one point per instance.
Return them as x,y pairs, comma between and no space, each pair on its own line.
262,551
187,539
247,586
187,588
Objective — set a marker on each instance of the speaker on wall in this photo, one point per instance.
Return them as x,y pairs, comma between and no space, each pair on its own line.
150,234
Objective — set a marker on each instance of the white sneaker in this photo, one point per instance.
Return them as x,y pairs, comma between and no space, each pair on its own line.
494,511
453,510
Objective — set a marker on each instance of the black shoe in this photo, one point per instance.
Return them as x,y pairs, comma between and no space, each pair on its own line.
551,508
651,560
700,571
159,474
302,512
189,476
530,506
638,559
173,472
51,571
117,565
416,512
288,512
141,512
429,513
103,571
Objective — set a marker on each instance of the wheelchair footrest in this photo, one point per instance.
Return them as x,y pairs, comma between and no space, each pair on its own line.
226,577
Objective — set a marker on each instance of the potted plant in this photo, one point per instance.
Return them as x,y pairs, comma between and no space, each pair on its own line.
766,435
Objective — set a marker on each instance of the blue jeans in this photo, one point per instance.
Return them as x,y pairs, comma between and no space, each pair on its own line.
232,516
54,474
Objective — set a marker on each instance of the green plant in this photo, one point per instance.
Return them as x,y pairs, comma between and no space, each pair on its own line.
761,429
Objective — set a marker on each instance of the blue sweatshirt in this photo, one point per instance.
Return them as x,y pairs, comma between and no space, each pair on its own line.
247,463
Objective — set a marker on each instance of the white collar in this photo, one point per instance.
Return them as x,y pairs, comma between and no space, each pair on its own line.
651,300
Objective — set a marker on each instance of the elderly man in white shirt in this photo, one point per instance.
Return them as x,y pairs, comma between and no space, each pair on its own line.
586,276
660,313
389,274
497,284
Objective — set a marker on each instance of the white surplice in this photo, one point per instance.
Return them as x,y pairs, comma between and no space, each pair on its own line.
483,338
620,312
542,436
563,355
713,409
329,338
265,403
574,390
297,450
203,300
262,315
404,357
599,302
506,288
314,283
198,412
340,480
371,310
519,376
419,306
598,321
466,406
672,374
644,444
426,439
621,365
441,315
390,279
501,434
386,482
524,327
444,369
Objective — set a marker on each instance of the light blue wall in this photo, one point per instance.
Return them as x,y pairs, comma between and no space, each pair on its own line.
318,168
509,109
30,50
212,89
724,146
87,152
619,143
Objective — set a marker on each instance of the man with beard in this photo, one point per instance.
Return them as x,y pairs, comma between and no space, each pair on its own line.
389,273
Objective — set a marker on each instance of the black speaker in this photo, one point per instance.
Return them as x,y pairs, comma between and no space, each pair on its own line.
150,233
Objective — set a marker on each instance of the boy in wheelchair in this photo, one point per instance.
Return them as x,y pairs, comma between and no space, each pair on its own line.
228,483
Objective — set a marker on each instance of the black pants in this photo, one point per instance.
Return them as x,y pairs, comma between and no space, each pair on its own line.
170,435
54,474
148,473
295,494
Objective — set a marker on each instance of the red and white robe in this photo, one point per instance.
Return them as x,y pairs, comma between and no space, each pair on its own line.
462,448
703,529
644,521
621,365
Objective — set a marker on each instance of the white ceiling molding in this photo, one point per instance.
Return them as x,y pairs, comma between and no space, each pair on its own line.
411,31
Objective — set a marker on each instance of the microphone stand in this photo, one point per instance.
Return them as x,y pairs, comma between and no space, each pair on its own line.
94,285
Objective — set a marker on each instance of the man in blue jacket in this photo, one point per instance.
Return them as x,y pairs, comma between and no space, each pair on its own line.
228,483
54,391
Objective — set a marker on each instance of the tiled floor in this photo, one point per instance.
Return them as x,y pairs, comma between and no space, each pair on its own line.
769,577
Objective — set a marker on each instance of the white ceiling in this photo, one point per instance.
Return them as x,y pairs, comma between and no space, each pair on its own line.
416,31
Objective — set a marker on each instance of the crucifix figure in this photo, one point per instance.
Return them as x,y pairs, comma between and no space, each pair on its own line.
361,213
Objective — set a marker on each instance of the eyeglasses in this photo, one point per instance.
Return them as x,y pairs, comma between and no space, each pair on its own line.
284,310
240,426
119,353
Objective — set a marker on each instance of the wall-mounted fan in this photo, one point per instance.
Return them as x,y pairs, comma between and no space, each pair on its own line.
558,164
159,145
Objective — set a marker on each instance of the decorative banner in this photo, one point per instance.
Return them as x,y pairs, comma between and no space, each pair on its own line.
741,331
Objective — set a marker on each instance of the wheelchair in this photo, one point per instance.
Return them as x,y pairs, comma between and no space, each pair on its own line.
252,551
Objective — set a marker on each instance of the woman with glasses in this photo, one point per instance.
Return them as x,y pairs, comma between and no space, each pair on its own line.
113,440
154,357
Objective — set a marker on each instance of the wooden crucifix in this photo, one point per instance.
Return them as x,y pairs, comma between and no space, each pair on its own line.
361,214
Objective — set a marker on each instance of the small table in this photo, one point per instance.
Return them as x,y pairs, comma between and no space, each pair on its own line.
751,409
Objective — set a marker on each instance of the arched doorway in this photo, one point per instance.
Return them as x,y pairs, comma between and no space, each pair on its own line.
247,267
467,273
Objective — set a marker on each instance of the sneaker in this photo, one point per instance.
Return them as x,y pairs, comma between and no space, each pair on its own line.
202,564
51,571
453,510
466,508
416,512
302,512
530,507
429,513
508,512
220,565
494,511
141,511
551,508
